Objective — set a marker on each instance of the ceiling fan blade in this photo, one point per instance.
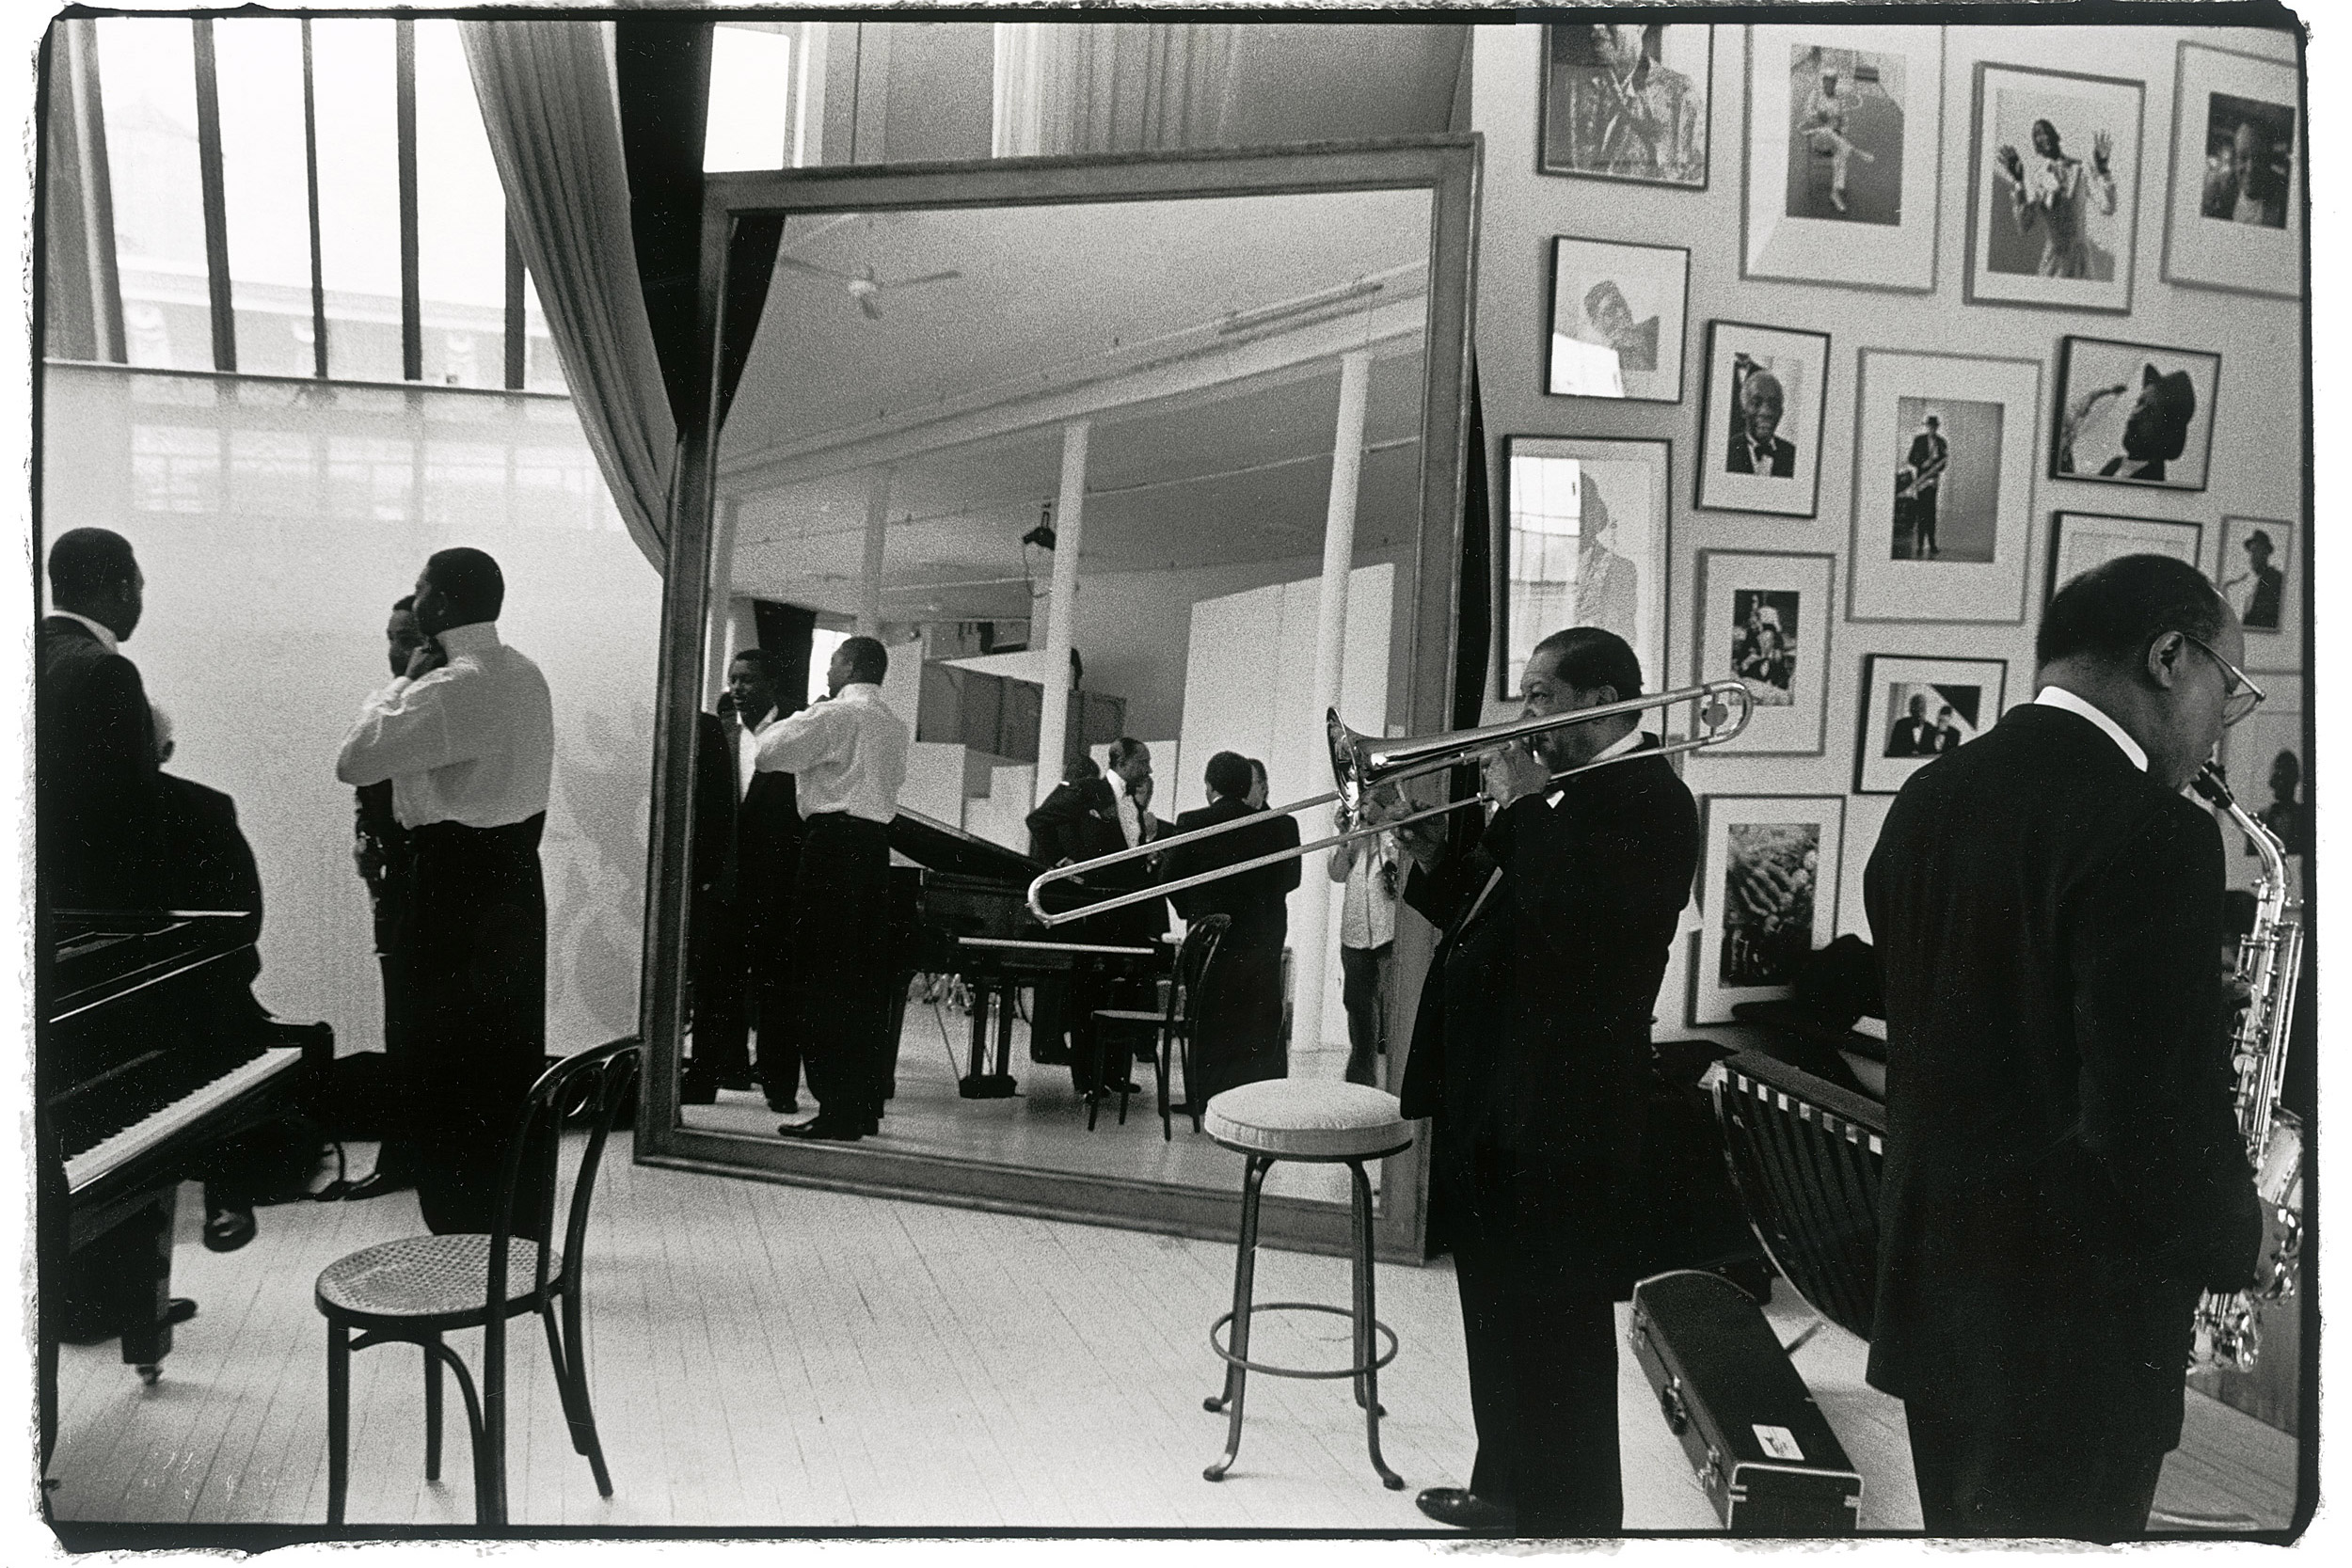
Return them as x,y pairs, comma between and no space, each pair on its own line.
926,277
873,311
812,268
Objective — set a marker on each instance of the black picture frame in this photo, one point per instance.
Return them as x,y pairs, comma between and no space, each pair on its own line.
1545,107
1670,357
2074,349
1871,774
1715,490
2057,572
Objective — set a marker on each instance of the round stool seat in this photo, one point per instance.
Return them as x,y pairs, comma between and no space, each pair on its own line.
1300,1118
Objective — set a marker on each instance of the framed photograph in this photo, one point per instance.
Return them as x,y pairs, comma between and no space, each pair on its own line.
1764,618
1627,101
1586,546
1845,132
1760,426
2134,414
2260,574
2054,193
2264,757
1768,895
2234,218
1943,486
1616,320
2081,540
1914,710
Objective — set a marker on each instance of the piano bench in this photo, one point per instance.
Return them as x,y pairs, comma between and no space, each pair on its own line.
1323,1123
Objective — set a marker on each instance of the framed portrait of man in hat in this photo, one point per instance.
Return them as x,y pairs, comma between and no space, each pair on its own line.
2134,414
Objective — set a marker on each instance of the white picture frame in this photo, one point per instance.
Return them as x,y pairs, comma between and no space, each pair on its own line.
1556,574
1729,479
2081,540
1910,691
1971,565
2273,641
2254,252
1758,918
1743,595
2048,229
1645,291
1884,236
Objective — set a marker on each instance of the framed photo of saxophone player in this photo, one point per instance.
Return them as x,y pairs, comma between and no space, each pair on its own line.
2053,198
1768,895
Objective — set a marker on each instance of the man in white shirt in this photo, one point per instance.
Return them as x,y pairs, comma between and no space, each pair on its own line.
467,737
1368,867
848,754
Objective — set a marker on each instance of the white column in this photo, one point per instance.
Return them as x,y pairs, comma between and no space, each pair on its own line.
1313,940
1052,724
877,526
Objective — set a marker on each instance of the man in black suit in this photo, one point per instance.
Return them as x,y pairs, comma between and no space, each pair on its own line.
1912,735
1756,446
2063,1169
95,790
1240,1039
1082,821
1532,1052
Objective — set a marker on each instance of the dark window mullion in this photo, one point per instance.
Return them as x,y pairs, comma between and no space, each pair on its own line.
310,165
215,200
517,344
411,298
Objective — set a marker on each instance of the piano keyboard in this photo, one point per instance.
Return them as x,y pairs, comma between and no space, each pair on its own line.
119,1149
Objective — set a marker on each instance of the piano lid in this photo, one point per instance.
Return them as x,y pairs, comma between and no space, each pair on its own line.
927,841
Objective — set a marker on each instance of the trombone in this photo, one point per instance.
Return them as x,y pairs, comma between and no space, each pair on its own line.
1362,765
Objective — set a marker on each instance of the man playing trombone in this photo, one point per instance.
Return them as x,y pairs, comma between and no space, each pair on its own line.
1530,1051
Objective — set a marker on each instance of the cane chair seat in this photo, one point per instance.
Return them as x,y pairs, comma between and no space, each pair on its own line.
429,1282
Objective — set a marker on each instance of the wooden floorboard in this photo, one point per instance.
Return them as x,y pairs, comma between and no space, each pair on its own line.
763,1355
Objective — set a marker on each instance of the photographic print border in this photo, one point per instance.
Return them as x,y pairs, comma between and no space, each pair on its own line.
1994,592
1813,668
1543,116
1657,567
1551,318
2281,267
2057,414
2052,580
2274,651
1815,258
2096,300
1711,437
1871,723
1711,1001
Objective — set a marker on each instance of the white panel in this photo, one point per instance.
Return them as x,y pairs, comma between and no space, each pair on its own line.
935,780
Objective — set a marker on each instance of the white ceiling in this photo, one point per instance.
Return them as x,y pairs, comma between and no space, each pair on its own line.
1207,446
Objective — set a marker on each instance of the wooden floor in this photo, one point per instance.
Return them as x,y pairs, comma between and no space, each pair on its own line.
779,1357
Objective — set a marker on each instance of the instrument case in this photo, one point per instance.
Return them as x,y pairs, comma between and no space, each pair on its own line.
1763,1452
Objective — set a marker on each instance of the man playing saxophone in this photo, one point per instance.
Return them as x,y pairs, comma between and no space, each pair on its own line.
2064,1172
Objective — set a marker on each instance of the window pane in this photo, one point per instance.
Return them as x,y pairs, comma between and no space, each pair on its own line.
146,82
542,371
358,196
265,176
461,220
750,124
1546,508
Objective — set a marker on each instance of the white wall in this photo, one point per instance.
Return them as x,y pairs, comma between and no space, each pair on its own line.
2257,456
275,523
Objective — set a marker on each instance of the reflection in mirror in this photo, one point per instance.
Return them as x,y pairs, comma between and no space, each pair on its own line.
1075,467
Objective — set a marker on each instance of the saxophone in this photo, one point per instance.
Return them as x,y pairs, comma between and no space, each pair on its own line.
2269,961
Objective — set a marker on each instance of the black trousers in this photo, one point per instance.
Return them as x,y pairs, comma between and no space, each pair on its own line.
397,1160
1359,993
843,964
475,947
2063,1470
722,1027
1241,1030
1540,1329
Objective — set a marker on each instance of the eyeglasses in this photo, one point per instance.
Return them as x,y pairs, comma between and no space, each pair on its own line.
2240,696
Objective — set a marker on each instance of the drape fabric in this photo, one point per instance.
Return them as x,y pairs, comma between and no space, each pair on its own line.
1122,87
550,105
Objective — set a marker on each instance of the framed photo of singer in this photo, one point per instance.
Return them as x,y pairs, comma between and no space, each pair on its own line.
1768,895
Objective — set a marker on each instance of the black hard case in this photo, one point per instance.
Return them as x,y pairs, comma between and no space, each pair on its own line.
1720,1374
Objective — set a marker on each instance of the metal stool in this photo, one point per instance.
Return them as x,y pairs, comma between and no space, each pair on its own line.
1323,1123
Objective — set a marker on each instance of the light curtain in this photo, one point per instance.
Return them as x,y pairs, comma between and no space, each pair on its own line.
551,107
1117,86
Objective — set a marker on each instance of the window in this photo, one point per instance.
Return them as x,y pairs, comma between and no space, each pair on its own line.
749,123
461,222
146,92
1547,507
353,71
822,646
265,180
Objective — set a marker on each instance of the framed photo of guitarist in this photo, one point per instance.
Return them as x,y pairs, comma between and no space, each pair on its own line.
1760,425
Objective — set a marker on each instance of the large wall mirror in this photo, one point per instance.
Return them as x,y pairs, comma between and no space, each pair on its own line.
1123,381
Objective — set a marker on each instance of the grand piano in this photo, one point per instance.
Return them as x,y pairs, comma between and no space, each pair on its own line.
148,1050
960,906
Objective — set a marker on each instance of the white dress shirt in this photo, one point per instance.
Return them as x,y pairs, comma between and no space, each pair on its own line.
1367,909
2058,696
849,754
103,633
1130,820
747,752
472,742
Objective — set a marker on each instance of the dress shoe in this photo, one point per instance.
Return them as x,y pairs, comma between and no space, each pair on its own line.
375,1183
1455,1506
181,1309
819,1127
784,1107
228,1228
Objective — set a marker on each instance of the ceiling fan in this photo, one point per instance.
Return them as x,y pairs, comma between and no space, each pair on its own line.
863,286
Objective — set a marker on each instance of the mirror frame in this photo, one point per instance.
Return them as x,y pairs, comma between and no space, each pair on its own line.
1447,166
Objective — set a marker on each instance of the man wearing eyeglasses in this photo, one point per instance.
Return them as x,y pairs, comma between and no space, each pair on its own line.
2063,1169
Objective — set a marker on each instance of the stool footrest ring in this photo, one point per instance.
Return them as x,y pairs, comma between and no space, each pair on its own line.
1357,1369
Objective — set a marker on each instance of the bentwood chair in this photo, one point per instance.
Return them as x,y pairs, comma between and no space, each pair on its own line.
1173,1026
417,1289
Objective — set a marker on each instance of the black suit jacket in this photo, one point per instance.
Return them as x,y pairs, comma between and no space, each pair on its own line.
1535,1022
1080,822
1783,453
95,790
2063,1170
747,850
208,864
1258,901
1911,737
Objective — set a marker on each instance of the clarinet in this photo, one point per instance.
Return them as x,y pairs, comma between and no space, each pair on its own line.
2269,962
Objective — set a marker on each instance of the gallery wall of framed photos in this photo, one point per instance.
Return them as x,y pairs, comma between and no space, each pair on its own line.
1852,230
